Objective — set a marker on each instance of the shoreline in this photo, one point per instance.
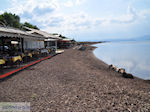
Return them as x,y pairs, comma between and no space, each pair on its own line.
146,80
76,81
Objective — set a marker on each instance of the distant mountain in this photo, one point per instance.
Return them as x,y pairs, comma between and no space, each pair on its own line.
142,38
146,37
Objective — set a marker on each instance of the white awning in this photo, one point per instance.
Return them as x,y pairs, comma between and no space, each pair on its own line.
43,33
51,39
11,32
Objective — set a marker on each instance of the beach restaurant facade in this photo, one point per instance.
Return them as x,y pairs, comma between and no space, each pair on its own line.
21,40
49,41
17,45
65,43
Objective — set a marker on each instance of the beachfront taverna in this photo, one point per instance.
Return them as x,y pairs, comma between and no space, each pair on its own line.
20,45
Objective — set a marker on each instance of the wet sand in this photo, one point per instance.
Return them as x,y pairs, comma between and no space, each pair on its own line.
76,81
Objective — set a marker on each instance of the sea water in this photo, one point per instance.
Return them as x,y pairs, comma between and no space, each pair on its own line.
134,56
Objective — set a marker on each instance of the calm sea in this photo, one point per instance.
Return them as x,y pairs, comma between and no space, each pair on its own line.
134,56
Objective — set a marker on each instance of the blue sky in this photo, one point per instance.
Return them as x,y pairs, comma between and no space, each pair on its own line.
85,19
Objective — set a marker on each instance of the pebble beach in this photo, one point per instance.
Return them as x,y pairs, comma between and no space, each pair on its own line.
76,81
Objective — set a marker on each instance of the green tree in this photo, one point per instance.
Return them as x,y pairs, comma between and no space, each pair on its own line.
10,19
30,25
13,20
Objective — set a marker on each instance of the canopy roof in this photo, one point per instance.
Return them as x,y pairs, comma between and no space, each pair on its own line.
12,32
66,39
50,39
43,33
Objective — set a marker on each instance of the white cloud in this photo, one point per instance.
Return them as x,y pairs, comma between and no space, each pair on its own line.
130,17
19,7
68,4
144,14
1,12
79,2
71,22
49,16
71,3
83,22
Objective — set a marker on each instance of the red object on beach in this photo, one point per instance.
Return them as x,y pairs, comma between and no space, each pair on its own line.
14,71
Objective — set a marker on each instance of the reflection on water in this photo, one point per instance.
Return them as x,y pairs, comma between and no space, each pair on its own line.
133,56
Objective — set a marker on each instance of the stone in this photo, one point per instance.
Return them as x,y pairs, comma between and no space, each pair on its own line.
113,67
121,70
127,75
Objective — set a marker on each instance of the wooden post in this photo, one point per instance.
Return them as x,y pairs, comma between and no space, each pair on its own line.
56,44
3,44
22,44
